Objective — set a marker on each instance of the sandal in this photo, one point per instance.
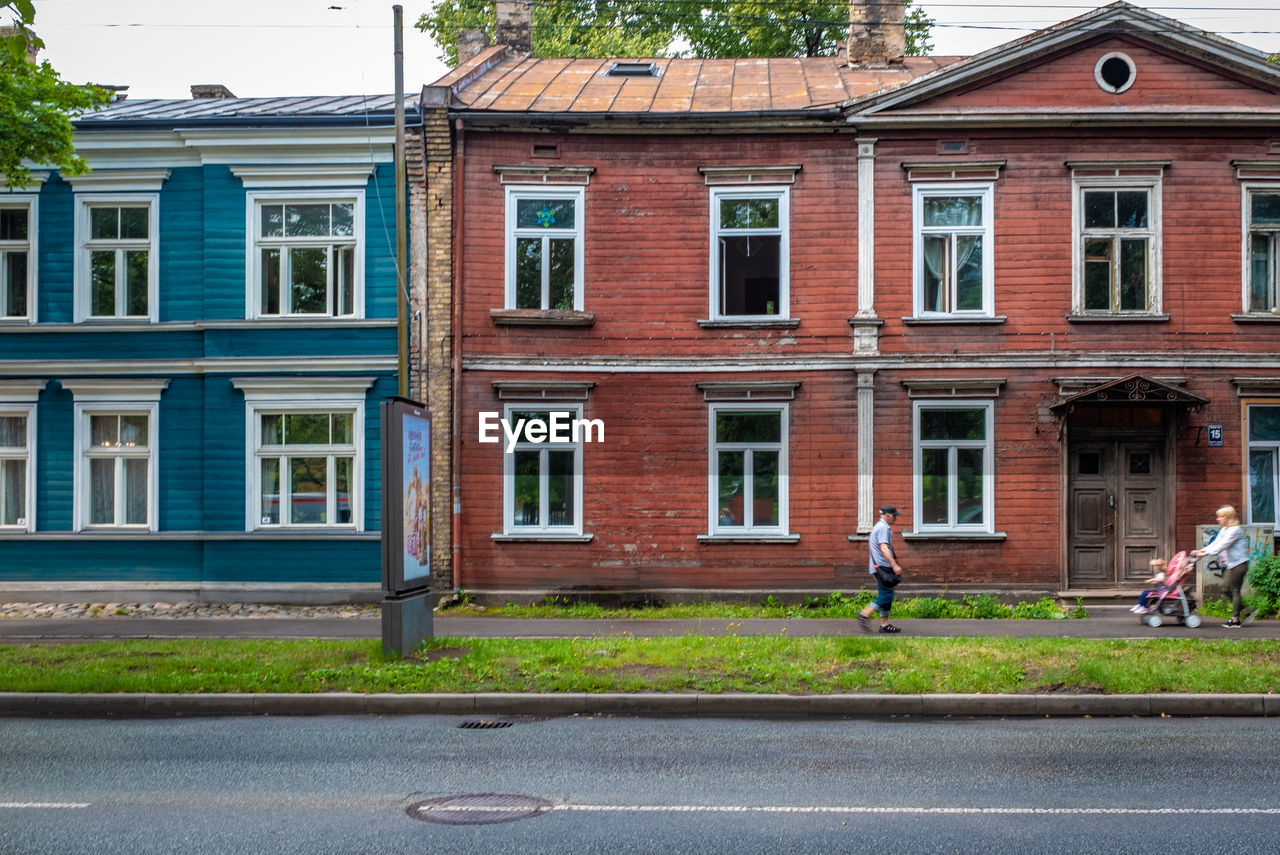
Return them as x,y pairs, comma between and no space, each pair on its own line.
888,627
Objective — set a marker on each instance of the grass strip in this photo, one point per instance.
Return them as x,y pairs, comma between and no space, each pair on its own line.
772,664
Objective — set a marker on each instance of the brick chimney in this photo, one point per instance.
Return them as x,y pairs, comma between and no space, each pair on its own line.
515,25
877,31
210,90
32,49
470,43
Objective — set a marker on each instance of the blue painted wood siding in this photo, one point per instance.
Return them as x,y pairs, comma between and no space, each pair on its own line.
202,445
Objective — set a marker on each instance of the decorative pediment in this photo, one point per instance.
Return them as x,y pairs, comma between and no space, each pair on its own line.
1132,391
1119,63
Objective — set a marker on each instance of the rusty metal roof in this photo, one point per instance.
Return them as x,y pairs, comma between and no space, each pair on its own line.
495,83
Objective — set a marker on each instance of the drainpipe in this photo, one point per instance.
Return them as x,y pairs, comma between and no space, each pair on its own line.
455,335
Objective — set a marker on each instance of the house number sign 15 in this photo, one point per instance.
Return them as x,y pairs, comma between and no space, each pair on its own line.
1215,436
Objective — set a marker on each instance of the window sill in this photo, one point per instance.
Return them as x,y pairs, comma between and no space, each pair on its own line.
748,538
1257,318
1115,319
304,319
936,320
749,323
954,535
294,531
118,324
543,536
541,318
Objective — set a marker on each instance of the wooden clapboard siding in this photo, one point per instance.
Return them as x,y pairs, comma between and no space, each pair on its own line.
225,243
332,560
200,425
181,253
646,282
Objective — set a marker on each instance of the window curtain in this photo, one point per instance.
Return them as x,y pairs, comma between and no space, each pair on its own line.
956,212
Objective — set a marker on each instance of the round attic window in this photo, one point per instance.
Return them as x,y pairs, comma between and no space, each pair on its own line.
1115,72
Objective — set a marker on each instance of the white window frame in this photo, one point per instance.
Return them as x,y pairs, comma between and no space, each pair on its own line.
986,192
31,204
782,447
512,234
783,231
543,527
1247,193
987,445
83,270
1269,445
18,398
95,397
264,396
255,200
1152,185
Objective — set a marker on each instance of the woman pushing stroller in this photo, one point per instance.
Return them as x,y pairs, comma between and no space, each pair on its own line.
1232,548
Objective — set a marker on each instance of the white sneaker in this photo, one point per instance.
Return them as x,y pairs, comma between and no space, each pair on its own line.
1137,610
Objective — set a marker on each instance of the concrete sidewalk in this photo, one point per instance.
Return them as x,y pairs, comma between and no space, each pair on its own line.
1107,622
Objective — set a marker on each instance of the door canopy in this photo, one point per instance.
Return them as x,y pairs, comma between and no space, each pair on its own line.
1136,390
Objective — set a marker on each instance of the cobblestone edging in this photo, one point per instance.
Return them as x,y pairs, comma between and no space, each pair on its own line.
107,611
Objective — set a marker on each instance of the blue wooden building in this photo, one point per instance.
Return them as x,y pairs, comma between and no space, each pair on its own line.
195,336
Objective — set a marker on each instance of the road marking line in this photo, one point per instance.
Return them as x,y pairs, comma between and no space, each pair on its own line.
42,805
918,810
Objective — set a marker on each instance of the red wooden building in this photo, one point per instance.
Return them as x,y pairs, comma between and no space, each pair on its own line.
1030,297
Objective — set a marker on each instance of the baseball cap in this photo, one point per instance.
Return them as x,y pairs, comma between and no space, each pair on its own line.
889,509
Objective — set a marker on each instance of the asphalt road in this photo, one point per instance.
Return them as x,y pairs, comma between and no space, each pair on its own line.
623,785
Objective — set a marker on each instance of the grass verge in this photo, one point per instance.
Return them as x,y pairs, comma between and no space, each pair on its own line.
774,664
833,605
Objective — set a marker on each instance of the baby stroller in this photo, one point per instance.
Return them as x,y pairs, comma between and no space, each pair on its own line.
1170,599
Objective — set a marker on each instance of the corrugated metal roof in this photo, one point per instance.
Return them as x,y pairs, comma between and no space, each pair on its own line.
187,111
543,86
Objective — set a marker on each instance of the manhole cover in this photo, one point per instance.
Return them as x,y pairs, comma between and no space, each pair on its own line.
478,808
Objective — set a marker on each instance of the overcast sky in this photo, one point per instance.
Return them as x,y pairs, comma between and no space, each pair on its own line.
159,48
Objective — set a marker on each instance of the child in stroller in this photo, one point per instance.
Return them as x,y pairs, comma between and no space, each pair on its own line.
1169,598
1158,568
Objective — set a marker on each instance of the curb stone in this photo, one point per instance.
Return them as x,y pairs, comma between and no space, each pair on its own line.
736,705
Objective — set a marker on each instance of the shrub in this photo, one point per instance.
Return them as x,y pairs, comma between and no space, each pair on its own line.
931,607
1042,609
986,606
1264,576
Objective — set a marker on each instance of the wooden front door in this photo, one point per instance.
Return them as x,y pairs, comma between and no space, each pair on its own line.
1116,509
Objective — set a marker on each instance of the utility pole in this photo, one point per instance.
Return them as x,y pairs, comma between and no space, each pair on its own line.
402,191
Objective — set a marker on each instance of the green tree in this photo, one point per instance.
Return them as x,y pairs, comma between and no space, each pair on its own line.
651,28
36,104
785,28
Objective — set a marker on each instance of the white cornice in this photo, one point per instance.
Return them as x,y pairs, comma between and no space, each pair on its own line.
293,145
301,388
120,180
21,391
254,177
34,179
244,146
301,365
100,390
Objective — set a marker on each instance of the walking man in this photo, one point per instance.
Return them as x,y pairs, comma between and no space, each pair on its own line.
884,565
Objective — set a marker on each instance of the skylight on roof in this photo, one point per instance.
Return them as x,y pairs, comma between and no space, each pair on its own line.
632,69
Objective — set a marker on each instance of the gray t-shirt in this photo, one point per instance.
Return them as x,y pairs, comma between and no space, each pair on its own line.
880,533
